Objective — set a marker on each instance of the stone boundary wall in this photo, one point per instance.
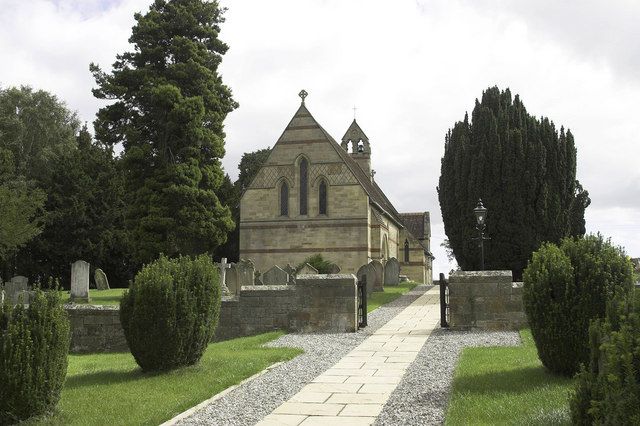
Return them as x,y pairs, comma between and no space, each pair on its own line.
487,300
95,329
315,303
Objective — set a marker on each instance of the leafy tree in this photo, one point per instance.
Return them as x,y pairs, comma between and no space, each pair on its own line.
20,209
170,104
525,172
84,216
37,128
249,166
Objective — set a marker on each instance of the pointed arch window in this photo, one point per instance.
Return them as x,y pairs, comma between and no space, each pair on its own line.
304,183
322,197
284,199
406,251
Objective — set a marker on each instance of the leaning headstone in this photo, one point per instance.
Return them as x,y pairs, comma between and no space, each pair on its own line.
223,266
233,280
307,270
13,288
80,281
246,273
378,283
392,272
334,269
102,283
292,273
369,272
275,276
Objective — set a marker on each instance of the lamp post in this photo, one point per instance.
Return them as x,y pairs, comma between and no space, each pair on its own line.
481,215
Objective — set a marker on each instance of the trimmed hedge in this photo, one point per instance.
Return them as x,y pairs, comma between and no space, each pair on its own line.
34,344
608,391
170,312
565,288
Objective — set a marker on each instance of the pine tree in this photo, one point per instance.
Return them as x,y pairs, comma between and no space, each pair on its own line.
525,172
170,104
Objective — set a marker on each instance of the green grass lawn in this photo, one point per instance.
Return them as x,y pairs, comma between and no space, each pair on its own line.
389,294
100,297
110,389
507,385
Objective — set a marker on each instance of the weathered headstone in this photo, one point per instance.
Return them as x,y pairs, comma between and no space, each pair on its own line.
292,273
275,276
369,272
102,283
223,266
378,284
307,270
392,272
13,288
246,273
334,269
404,278
80,281
233,280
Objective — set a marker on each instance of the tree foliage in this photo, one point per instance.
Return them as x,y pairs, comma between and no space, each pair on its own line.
170,104
525,172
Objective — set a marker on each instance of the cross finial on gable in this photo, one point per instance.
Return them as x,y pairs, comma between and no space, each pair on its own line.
303,94
354,112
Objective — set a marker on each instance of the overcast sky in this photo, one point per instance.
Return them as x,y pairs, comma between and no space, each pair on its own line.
411,68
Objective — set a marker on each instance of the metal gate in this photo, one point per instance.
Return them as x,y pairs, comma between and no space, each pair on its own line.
362,302
444,301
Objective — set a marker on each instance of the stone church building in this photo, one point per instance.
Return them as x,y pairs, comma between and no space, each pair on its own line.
314,195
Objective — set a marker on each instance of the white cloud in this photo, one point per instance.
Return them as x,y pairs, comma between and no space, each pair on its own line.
412,69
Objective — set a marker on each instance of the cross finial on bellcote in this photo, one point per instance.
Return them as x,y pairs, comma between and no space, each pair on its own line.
354,112
303,94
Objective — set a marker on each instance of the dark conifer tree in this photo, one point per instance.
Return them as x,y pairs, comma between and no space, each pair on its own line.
525,172
170,104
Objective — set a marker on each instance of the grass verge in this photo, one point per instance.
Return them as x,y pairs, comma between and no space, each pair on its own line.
507,385
110,389
379,298
100,297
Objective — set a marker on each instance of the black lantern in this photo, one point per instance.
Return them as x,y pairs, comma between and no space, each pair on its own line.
481,216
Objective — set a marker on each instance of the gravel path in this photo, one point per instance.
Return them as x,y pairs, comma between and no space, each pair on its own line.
420,398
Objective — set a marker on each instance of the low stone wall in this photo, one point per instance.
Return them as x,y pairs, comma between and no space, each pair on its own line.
95,329
315,303
486,300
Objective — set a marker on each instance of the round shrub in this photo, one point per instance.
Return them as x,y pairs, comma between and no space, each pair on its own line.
565,288
608,391
170,312
34,344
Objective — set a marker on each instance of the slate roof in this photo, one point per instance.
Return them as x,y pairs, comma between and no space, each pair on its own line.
415,223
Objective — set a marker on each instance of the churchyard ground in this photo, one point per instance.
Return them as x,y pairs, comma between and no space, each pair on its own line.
100,297
111,388
507,385
391,293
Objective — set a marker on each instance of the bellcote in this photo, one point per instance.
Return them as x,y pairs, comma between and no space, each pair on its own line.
360,150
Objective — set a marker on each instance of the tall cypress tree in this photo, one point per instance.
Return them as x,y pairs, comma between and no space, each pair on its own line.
525,172
170,104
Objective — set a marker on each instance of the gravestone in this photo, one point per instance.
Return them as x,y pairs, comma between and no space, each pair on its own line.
102,283
258,278
307,270
334,269
292,273
13,288
275,276
246,273
232,279
378,284
223,266
369,272
392,272
80,281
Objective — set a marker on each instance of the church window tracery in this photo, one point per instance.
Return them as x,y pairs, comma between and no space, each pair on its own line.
322,197
406,250
304,183
284,199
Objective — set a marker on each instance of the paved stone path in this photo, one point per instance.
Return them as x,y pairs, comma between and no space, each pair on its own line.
355,389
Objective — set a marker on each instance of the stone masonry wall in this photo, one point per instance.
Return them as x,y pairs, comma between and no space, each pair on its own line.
95,328
485,299
316,303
